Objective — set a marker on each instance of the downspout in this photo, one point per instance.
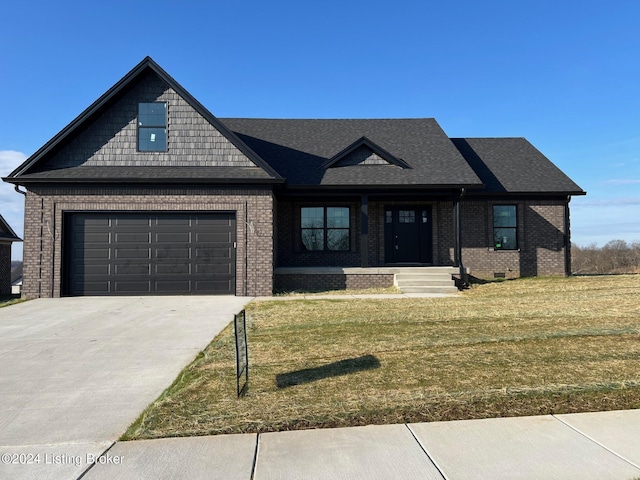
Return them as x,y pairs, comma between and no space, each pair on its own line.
567,239
463,272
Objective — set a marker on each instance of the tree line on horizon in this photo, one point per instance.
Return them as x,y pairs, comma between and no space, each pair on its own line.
616,256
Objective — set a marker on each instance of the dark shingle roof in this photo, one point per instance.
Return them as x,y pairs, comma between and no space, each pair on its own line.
513,165
297,149
6,232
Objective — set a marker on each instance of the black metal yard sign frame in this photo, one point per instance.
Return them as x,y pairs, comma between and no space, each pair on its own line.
242,353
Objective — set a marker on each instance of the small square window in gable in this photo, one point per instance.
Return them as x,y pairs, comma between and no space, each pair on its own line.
152,127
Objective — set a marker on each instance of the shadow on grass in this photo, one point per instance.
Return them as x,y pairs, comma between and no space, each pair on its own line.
335,369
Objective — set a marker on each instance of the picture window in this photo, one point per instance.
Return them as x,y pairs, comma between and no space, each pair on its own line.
325,228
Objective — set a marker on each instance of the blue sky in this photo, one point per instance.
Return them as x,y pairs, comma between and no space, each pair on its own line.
563,74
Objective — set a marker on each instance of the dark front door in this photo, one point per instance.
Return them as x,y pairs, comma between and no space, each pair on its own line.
407,234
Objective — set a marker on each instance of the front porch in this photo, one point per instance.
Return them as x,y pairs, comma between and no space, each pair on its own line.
408,279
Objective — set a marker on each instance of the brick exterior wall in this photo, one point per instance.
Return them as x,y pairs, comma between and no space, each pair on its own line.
45,206
290,252
324,282
5,268
540,236
540,230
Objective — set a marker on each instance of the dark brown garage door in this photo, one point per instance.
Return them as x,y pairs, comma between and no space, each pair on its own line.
149,254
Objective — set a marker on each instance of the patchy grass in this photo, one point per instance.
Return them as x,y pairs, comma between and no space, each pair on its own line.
520,347
6,300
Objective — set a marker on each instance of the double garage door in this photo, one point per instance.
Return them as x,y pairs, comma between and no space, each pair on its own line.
149,253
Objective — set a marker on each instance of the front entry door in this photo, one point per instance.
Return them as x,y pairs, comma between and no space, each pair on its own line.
407,233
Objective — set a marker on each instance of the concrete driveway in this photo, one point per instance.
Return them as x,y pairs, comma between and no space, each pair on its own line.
76,372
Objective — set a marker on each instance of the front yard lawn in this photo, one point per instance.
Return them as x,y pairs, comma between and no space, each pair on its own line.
518,347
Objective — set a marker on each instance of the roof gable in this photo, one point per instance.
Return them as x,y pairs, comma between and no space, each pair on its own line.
85,141
363,152
301,149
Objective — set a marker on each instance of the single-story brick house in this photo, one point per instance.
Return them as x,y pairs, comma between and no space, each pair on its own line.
146,192
7,237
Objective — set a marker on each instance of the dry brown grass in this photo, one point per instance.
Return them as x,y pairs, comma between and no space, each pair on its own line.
520,347
7,300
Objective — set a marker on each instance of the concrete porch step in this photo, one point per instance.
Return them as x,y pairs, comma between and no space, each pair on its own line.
411,277
425,280
421,282
449,290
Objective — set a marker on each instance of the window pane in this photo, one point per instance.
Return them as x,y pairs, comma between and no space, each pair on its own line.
313,238
388,216
407,216
152,114
504,216
337,217
312,217
152,139
338,239
505,238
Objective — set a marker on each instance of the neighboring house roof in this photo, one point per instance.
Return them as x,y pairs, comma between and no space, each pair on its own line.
6,232
301,150
16,274
513,165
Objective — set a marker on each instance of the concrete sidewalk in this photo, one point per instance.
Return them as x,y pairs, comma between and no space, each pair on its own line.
578,446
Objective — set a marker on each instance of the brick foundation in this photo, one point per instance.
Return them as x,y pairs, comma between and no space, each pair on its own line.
324,282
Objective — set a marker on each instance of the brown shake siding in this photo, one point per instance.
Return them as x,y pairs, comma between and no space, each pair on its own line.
45,206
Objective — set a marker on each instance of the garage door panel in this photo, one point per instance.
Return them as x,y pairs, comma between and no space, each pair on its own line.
132,220
142,269
149,253
92,288
205,287
173,287
213,253
132,237
134,253
172,238
92,237
97,253
221,268
174,220
172,253
92,222
102,269
173,269
133,288
213,237
216,221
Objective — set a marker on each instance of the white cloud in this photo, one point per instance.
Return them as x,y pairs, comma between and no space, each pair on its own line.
11,202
